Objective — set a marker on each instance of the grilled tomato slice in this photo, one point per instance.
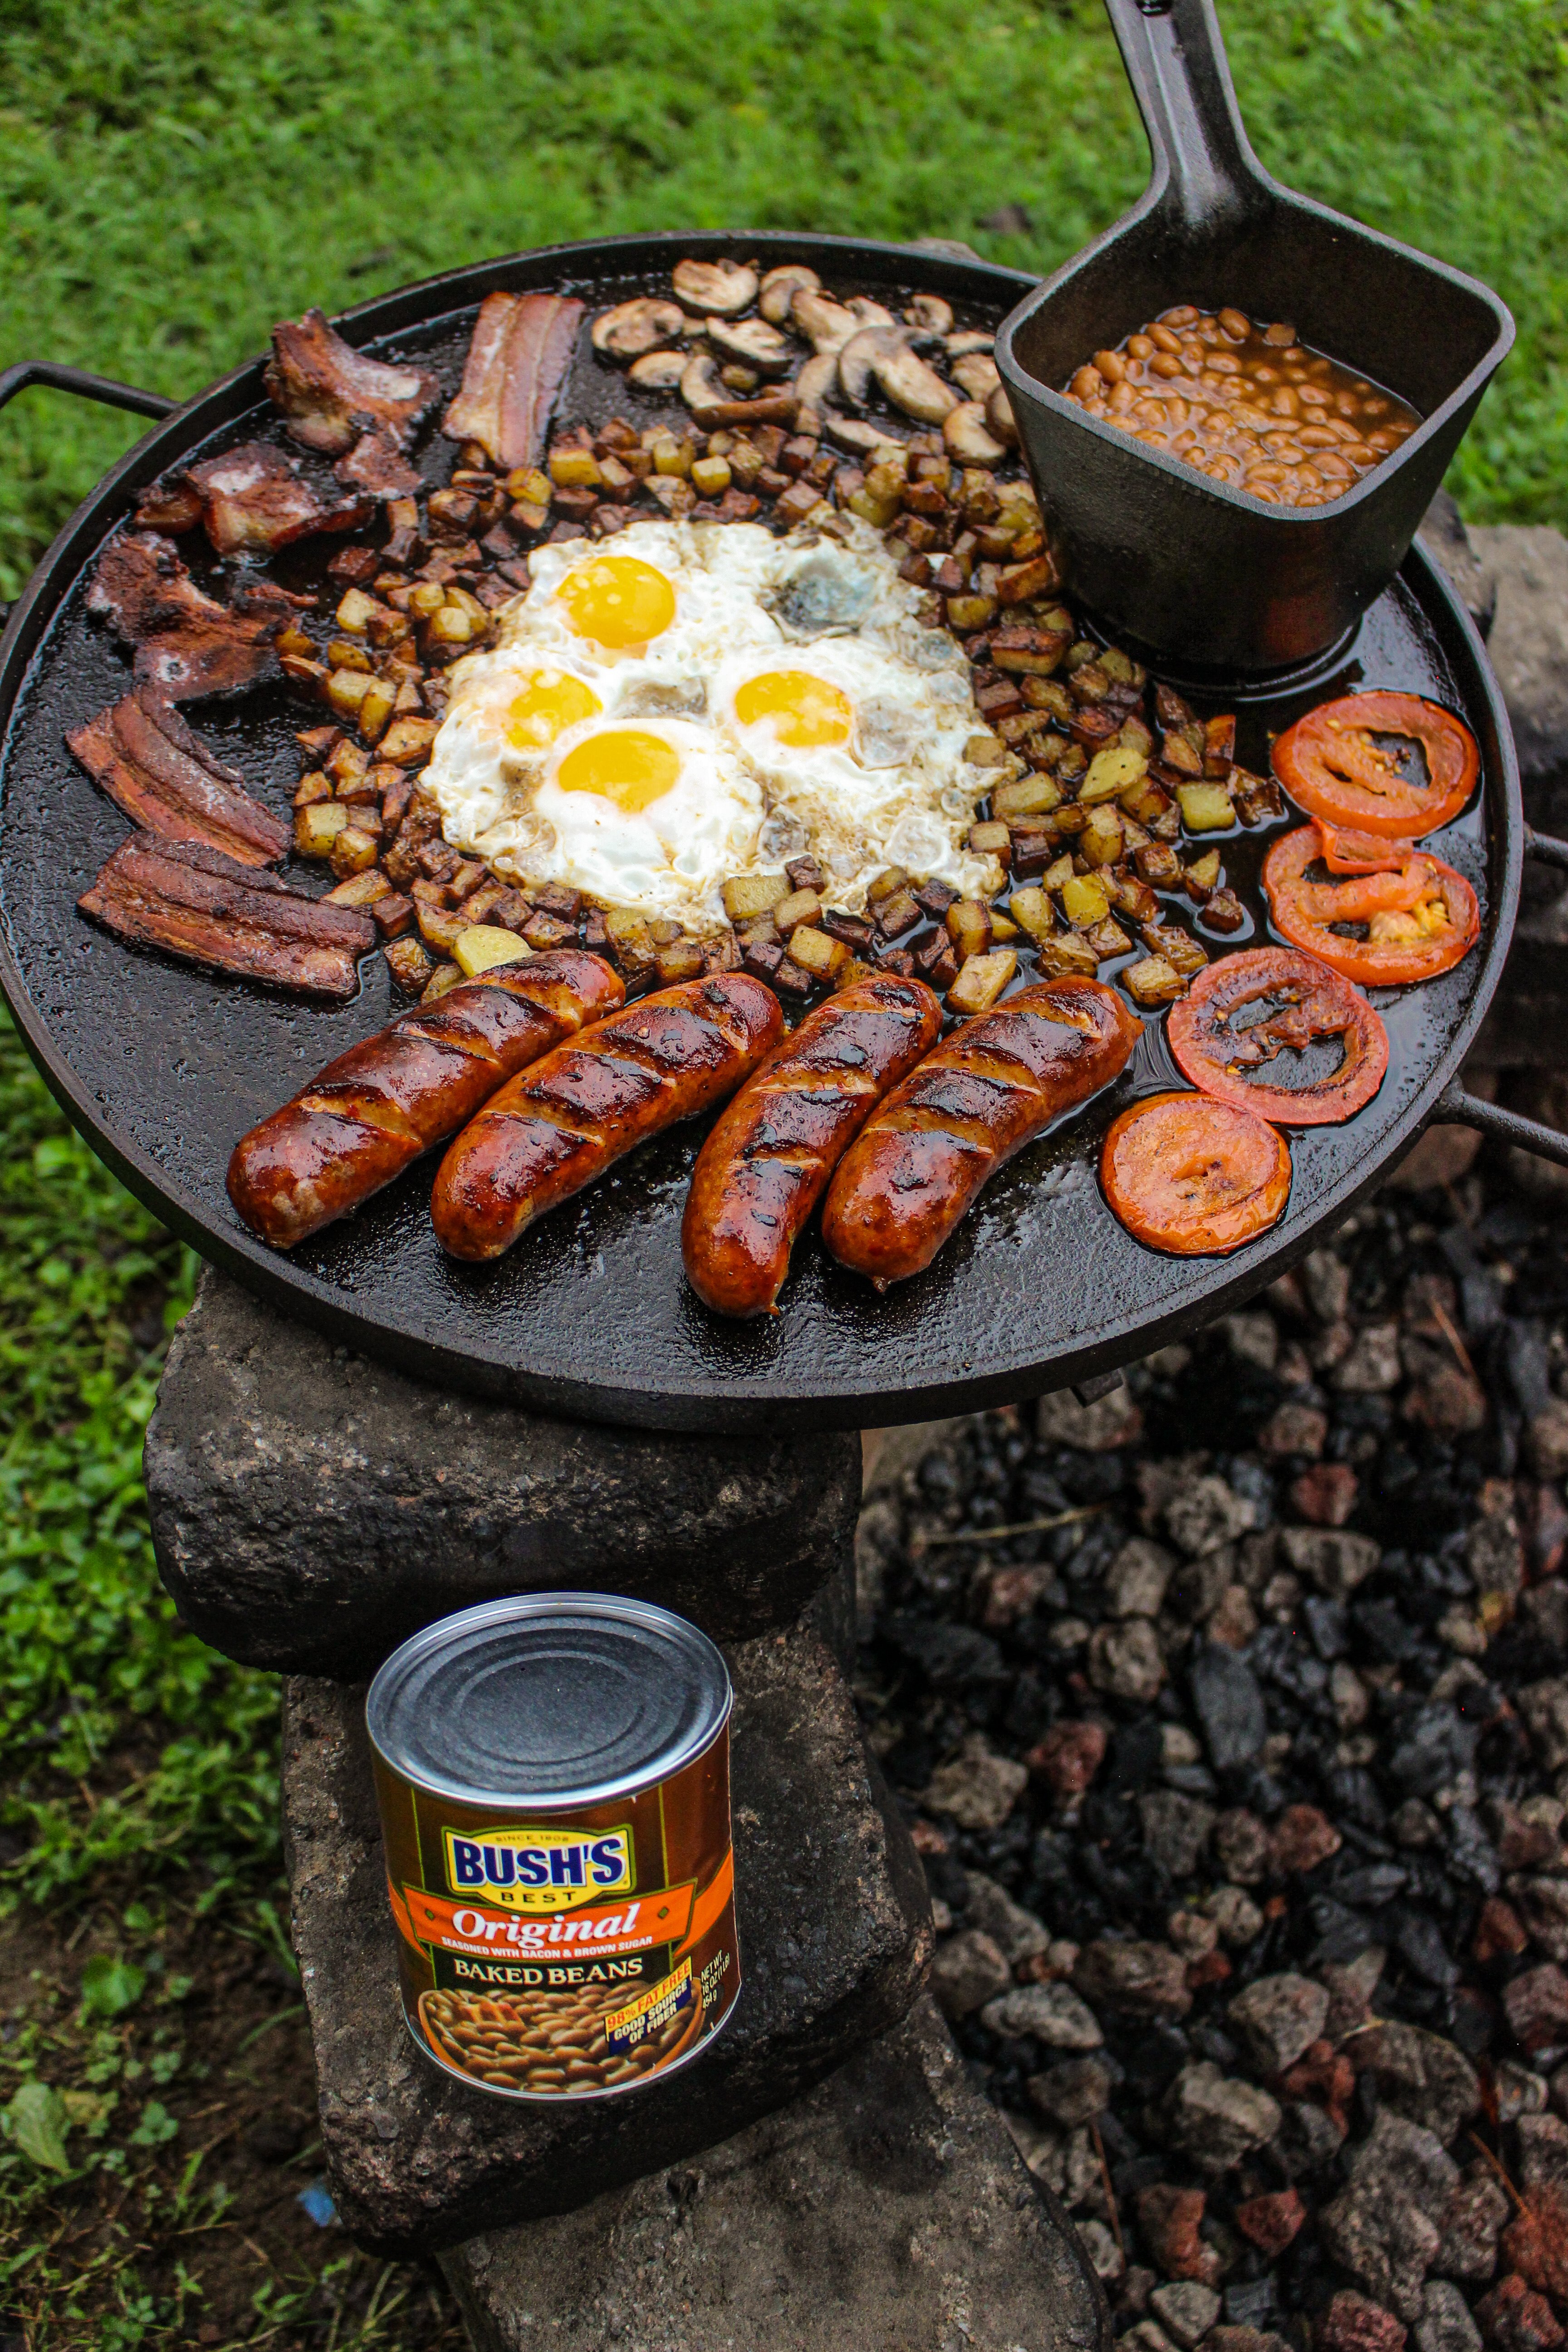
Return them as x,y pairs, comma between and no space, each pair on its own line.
1194,1177
1311,1002
1329,765
1419,917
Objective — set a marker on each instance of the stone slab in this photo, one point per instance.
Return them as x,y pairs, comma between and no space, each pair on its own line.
887,2211
312,1508
834,1931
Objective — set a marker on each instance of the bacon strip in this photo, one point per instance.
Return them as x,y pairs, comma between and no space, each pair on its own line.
254,498
522,346
376,464
147,760
186,642
195,903
330,393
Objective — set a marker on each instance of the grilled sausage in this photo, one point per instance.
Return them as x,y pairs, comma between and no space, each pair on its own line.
921,1159
562,1124
767,1164
384,1102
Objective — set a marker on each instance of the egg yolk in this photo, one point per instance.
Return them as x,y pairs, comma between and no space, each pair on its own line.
552,701
806,712
617,599
624,765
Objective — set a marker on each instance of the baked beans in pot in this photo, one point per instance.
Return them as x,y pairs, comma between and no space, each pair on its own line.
554,1779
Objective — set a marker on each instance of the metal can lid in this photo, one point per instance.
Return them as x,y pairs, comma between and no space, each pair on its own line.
551,1699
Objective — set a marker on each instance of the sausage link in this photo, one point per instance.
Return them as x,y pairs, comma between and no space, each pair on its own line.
918,1162
767,1164
416,1082
559,1126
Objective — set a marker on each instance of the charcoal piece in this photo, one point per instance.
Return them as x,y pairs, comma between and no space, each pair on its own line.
1436,1745
949,1656
1229,1705
835,1937
311,1510
825,2199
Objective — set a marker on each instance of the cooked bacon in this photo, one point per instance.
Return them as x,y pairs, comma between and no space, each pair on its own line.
522,346
197,904
253,498
167,781
170,505
377,465
186,642
330,393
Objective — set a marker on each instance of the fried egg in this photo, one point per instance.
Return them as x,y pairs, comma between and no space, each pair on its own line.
681,703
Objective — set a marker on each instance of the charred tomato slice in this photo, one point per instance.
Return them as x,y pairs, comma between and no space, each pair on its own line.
1421,918
1193,1176
1215,1051
1329,765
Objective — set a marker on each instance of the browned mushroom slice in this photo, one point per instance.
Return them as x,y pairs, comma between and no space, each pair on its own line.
330,393
522,346
817,381
779,290
1000,418
720,289
826,325
376,465
752,343
884,353
186,644
969,339
199,905
870,313
929,312
706,397
856,432
967,436
254,499
633,328
975,374
146,759
659,371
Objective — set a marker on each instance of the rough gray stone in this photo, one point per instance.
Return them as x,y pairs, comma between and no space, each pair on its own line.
1229,1703
1335,1561
1205,1513
1073,2092
312,1509
1133,1979
1214,2119
1544,1707
1542,2152
1016,1933
1186,2310
969,1969
1444,539
978,1787
1110,1421
1125,1660
888,2208
1136,1579
1385,2228
1276,2017
835,1936
1307,2139
1444,2324
1176,1829
1419,2075
1052,2014
1474,2215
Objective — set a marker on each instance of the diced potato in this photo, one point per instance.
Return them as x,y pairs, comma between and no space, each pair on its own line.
375,709
1113,771
991,839
1206,808
480,946
1084,901
981,980
1059,873
295,644
1033,908
969,928
317,826
897,914
749,895
1178,947
1107,939
877,512
442,926
883,885
622,924
409,965
1064,951
316,785
966,614
663,931
1003,928
1032,795
681,959
817,953
529,484
1122,667
800,907
1152,981
848,973
986,751
353,614
346,689
574,470
1158,863
710,476
670,455
1202,875
445,976
406,742
450,626
354,850
1100,841
361,890
468,603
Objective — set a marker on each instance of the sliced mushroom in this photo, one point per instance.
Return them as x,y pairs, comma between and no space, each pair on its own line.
659,371
818,380
704,394
928,310
870,313
1000,418
976,372
752,343
715,289
969,340
633,328
856,357
825,324
884,352
856,432
780,287
968,440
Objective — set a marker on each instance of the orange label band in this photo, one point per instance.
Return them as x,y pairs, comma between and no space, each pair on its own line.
609,1930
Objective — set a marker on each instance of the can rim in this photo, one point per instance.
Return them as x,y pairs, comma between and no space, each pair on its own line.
520,1607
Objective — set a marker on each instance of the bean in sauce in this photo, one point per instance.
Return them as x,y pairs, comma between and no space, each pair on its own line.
542,2043
1245,405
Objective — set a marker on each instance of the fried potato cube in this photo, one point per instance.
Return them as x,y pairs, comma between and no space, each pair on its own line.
969,928
1107,939
574,470
1202,877
354,850
314,785
883,885
711,477
1060,873
1032,908
317,825
408,963
1100,842
1178,947
480,946
375,709
747,896
991,840
1031,795
1112,772
981,980
1206,808
346,689
445,976
681,959
353,614
966,614
817,953
1064,952
1152,981
361,890
1084,901
406,742
800,907
986,751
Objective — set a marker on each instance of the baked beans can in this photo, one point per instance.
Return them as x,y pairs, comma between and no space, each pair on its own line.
553,1778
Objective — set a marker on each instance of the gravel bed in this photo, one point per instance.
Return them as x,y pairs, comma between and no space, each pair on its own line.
1233,1727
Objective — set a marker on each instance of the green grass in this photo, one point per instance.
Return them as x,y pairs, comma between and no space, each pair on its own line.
174,174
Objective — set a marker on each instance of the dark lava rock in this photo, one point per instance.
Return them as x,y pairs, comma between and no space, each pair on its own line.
1229,1706
842,2221
312,1509
835,1937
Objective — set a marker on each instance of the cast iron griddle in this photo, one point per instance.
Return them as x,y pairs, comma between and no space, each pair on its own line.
162,1067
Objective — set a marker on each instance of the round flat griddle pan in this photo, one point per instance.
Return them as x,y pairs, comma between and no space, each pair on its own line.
162,1067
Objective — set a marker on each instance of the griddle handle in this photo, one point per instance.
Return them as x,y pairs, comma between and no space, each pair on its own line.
1457,1108
1203,169
1542,846
16,379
